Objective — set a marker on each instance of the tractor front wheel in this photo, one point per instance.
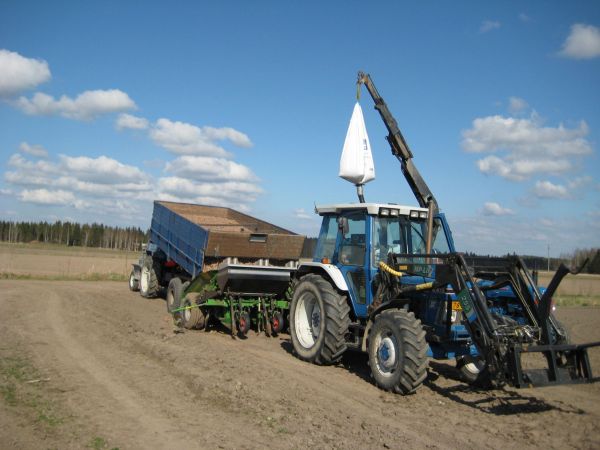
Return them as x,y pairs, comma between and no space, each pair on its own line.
134,283
398,352
319,320
149,279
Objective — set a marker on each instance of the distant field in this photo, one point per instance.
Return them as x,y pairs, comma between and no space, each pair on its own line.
61,262
50,261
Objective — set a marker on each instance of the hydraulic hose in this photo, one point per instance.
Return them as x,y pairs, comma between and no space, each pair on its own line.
383,266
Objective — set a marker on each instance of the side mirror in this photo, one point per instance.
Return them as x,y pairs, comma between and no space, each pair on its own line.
343,225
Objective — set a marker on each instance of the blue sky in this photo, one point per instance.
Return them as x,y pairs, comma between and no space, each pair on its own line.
105,106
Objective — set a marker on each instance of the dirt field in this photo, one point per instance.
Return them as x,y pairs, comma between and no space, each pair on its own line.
90,364
39,260
582,284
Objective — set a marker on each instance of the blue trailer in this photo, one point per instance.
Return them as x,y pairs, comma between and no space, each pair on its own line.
187,239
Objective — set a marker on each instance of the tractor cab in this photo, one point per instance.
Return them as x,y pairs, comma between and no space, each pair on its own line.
356,237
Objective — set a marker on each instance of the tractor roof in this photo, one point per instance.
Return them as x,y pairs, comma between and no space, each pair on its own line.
371,208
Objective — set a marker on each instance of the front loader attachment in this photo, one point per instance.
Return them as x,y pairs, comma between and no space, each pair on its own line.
501,341
567,364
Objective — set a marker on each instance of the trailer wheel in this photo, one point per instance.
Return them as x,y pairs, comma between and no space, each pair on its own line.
192,316
134,283
319,320
174,292
398,352
148,279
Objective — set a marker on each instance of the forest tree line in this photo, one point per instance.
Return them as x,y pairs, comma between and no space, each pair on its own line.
132,238
74,234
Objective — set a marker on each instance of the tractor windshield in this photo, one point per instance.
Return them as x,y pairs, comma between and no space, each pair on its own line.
402,235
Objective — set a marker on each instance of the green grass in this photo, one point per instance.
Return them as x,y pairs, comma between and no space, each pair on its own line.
80,277
16,374
577,300
99,443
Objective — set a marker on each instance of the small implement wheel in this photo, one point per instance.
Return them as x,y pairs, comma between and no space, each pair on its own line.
398,352
192,316
319,320
134,283
277,322
472,369
243,323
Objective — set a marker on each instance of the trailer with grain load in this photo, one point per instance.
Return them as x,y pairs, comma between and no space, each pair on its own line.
188,243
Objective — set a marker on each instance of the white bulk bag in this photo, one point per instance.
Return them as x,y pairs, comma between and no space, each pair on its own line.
356,163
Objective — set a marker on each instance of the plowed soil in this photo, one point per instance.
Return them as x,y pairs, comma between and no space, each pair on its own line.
91,364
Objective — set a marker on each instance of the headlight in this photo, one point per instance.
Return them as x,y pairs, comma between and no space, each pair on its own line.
384,212
394,212
414,214
423,215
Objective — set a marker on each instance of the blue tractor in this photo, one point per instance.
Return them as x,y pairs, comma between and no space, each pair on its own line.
386,280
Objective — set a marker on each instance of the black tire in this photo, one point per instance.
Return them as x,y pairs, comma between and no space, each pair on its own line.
319,321
191,317
398,352
472,370
149,279
243,323
134,283
174,292
277,322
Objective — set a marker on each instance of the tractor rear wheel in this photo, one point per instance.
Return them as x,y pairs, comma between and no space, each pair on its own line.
319,320
398,351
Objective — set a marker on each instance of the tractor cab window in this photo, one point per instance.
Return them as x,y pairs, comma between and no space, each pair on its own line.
419,238
440,240
326,243
353,244
400,235
389,236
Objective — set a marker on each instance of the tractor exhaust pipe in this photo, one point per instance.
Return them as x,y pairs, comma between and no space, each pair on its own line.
429,227
360,193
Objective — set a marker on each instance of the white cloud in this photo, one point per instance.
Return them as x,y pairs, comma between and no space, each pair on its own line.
302,214
547,189
494,209
33,150
18,73
128,121
187,139
86,106
526,147
523,17
102,185
227,192
516,105
489,25
204,168
101,170
582,43
46,197
522,169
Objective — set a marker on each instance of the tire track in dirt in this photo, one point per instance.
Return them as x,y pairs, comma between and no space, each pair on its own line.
126,376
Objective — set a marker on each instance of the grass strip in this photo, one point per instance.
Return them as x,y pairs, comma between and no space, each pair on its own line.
577,300
79,277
